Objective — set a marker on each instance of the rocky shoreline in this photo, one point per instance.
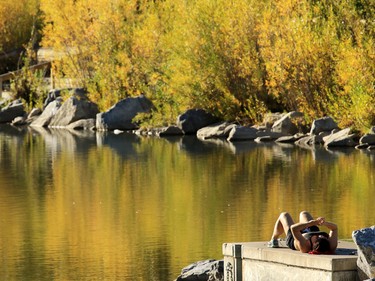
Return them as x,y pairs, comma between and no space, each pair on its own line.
78,113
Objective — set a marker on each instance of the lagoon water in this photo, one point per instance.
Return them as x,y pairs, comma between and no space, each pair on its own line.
95,206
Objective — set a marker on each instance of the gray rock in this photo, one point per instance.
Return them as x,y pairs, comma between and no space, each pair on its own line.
19,121
319,138
372,130
207,270
311,140
82,124
344,142
307,141
194,119
365,241
368,138
120,116
290,139
11,111
170,131
218,130
341,138
51,96
239,133
271,135
34,113
325,124
263,139
289,124
160,132
45,118
362,146
73,109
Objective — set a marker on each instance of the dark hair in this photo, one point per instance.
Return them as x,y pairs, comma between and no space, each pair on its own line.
322,245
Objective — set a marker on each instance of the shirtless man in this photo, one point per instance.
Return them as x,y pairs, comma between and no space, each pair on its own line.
305,236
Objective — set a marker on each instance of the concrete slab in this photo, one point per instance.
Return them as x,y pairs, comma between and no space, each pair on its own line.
337,262
255,261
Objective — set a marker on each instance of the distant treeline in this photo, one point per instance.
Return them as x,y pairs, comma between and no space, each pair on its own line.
235,58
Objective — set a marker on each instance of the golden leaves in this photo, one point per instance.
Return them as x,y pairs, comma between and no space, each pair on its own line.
17,19
217,54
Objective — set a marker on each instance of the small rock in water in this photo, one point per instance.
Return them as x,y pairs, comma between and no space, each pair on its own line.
212,270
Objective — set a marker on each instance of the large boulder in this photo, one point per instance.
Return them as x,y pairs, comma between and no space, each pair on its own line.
194,119
325,124
218,130
11,111
45,118
240,133
73,109
289,124
365,241
120,116
207,270
342,138
367,139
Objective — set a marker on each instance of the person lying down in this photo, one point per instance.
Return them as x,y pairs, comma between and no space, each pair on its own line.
305,236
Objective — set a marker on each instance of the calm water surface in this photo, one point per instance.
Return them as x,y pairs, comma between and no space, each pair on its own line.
90,206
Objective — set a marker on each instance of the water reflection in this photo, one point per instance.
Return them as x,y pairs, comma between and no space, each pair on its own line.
87,205
122,144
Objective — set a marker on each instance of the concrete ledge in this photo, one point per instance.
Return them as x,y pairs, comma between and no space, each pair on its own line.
255,261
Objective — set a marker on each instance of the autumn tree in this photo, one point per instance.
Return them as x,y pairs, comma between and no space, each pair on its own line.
314,52
18,21
236,59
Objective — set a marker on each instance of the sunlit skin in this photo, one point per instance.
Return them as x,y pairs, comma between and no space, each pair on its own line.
302,241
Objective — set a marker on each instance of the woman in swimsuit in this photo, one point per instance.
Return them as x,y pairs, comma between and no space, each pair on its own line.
305,236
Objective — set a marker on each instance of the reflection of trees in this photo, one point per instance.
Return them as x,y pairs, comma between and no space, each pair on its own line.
149,206
155,262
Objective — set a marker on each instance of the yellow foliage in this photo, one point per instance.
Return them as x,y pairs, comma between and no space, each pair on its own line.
236,59
314,62
16,22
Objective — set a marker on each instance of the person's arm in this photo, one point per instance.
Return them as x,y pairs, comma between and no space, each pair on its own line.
333,234
302,244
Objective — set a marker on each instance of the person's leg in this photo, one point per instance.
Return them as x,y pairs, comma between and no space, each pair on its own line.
305,216
282,225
